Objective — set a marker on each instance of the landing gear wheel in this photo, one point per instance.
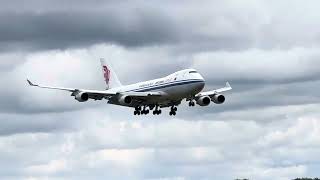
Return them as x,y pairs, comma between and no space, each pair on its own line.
174,108
173,111
191,103
137,110
156,111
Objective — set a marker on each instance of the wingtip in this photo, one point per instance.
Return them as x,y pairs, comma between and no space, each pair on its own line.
30,83
228,85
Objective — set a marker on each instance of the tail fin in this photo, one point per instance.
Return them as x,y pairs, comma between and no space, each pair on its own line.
110,76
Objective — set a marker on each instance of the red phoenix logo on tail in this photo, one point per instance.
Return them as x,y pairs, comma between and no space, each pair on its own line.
106,74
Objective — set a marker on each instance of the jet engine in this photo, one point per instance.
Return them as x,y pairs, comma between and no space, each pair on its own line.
204,101
82,96
125,100
218,99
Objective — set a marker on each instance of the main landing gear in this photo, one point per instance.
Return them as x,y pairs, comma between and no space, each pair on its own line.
144,110
173,111
139,110
157,111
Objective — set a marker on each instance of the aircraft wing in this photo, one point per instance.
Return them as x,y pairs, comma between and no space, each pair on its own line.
217,91
99,95
93,94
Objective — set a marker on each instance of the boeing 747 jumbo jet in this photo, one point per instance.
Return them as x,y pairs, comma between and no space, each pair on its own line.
151,95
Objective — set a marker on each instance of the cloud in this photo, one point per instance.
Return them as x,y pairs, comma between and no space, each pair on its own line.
52,167
220,25
52,30
266,129
273,66
80,68
141,149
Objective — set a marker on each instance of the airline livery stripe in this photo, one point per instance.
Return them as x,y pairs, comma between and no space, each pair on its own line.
168,85
158,85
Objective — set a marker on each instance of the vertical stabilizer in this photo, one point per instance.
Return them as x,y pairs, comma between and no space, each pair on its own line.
109,75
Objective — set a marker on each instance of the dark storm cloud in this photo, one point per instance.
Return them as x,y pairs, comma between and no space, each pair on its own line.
63,29
60,25
220,26
19,124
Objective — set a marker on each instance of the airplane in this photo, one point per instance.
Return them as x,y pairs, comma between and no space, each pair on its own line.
150,95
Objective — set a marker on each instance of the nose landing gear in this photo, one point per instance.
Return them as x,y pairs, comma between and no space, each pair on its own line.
191,103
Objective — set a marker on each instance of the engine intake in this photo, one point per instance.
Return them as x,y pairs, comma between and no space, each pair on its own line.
125,100
204,101
218,99
82,97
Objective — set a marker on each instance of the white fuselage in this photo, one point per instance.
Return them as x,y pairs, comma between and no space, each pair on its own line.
174,87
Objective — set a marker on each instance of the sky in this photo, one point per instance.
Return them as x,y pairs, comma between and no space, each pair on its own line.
269,127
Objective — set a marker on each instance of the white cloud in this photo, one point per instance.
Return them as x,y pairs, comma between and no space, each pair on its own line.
118,148
54,166
305,133
260,65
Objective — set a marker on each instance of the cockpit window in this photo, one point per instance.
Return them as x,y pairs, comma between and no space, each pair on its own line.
193,72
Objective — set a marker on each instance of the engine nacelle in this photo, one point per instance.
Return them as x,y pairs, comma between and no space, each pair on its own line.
125,100
218,99
204,101
82,96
